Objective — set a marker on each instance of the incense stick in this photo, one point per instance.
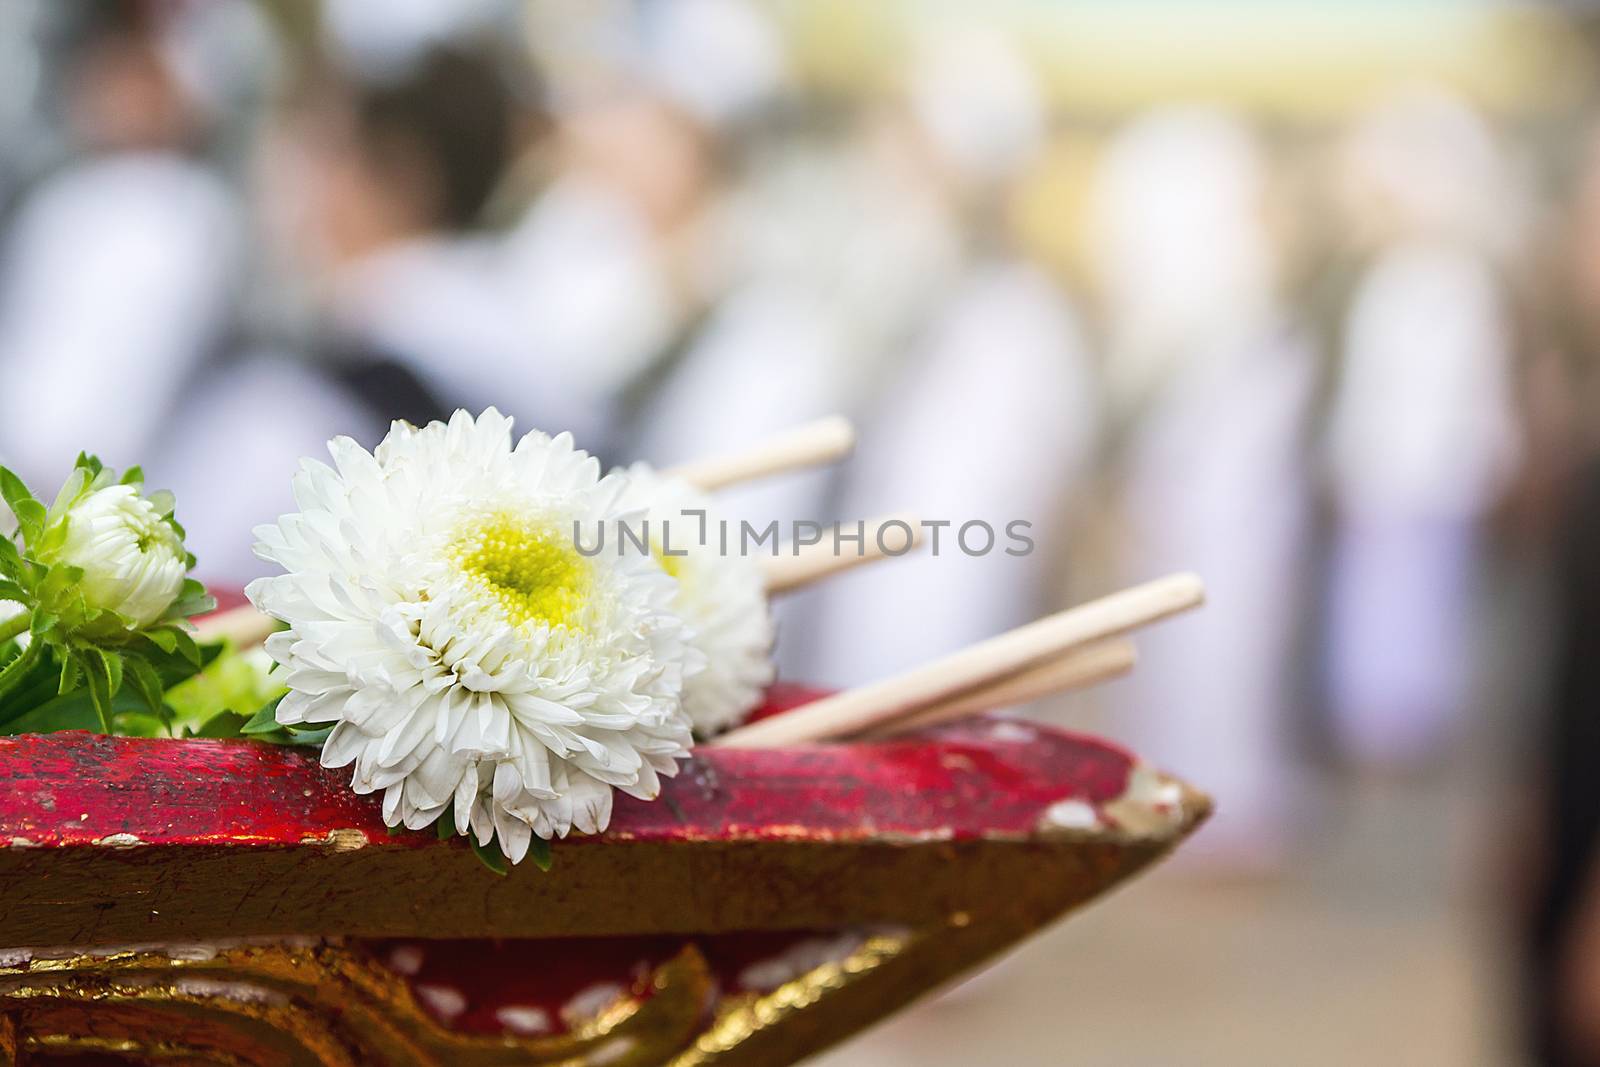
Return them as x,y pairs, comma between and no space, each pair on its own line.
887,538
808,445
1076,670
973,667
244,626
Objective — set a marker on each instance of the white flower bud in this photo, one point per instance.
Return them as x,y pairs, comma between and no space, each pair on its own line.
133,560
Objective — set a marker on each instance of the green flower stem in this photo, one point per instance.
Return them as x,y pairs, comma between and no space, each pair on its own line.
14,626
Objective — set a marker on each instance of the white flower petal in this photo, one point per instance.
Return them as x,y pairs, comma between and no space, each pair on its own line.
722,597
471,660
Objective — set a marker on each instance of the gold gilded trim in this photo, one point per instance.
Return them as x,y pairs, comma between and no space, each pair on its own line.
316,1003
739,1018
331,1004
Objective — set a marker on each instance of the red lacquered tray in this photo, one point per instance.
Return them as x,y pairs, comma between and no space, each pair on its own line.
232,902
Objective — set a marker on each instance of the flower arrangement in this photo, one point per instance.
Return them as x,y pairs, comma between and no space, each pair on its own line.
437,626
437,629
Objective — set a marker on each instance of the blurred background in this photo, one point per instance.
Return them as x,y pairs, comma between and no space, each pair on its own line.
1304,297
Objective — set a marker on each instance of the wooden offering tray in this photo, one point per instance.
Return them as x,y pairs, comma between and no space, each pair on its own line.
223,902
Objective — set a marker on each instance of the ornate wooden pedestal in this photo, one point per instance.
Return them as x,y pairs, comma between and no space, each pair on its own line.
211,902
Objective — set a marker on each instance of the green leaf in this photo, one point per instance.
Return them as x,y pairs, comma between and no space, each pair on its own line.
58,580
11,564
146,682
71,711
52,540
264,721
114,669
221,725
75,484
308,738
445,827
174,668
539,853
133,475
74,711
198,604
186,646
29,512
262,726
229,681
164,639
175,653
37,685
97,669
69,675
17,669
42,623
491,856
194,590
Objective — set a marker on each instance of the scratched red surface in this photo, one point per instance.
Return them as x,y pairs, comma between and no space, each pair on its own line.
983,776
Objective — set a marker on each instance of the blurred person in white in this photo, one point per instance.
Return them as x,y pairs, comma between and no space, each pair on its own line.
385,188
1209,381
1422,437
763,229
765,349
397,195
848,284
373,191
118,272
982,405
380,188
611,257
597,263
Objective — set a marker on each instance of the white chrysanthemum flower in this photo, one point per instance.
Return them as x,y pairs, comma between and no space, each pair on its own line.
722,596
473,660
133,560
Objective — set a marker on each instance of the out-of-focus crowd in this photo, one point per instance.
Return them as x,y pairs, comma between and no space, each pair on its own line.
1343,367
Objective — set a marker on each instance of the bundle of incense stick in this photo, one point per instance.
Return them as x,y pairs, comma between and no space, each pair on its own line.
1063,651
1070,650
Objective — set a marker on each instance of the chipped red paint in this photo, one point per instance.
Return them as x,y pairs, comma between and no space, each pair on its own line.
962,781
965,780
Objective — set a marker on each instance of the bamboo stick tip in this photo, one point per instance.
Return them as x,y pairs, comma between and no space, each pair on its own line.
1187,587
837,431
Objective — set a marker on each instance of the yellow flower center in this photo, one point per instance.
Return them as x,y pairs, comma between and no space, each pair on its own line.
672,564
531,569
